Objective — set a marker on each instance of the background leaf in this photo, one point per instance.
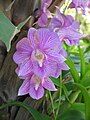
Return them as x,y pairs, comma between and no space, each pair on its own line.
72,115
86,99
36,115
7,29
73,70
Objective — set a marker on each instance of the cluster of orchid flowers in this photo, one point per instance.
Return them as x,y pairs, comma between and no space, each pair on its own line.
41,55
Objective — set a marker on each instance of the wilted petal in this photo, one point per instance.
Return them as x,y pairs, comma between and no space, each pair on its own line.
48,84
24,89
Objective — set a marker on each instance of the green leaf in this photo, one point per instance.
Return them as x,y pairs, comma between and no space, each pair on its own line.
82,61
73,70
36,115
72,115
65,106
86,79
23,23
7,29
65,92
56,81
79,107
86,99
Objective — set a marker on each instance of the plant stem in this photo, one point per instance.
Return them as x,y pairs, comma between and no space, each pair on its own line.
52,103
60,93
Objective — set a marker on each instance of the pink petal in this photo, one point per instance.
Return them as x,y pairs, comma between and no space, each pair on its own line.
43,20
48,2
56,57
48,84
72,5
59,15
24,45
39,71
24,89
20,57
63,66
25,68
32,36
63,52
36,94
52,69
49,40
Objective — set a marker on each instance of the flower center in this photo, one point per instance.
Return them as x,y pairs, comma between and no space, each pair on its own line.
38,56
37,82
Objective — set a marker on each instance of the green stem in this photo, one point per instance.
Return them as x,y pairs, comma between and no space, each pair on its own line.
52,103
66,105
60,93
82,61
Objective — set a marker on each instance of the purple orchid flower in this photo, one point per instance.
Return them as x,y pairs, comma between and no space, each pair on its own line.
88,4
79,4
35,86
40,52
44,13
66,28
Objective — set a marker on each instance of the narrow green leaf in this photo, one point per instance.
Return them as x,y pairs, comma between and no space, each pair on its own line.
86,99
66,105
56,81
73,70
85,81
36,115
65,92
82,62
23,23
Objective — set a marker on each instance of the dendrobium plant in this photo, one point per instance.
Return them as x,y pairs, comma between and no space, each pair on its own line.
66,28
79,4
41,54
44,13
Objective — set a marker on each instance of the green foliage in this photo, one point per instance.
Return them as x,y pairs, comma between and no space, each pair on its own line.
8,30
36,115
72,115
73,70
86,99
72,99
